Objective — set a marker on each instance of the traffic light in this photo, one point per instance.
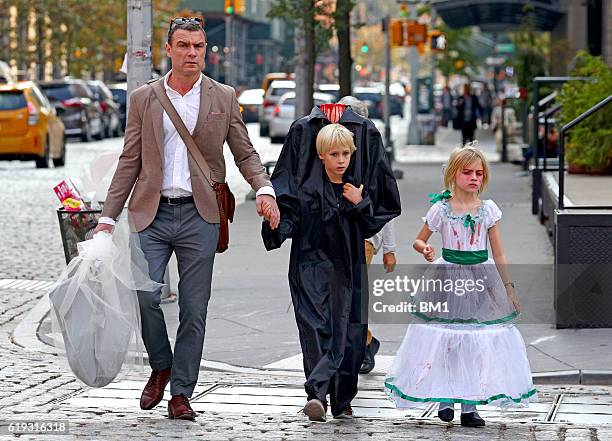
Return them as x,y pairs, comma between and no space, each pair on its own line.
404,11
234,7
239,7
417,33
397,33
365,48
438,42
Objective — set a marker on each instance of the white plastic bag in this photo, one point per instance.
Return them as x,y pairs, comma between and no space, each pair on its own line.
94,305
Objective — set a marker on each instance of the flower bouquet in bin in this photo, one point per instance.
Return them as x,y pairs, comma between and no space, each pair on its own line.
76,216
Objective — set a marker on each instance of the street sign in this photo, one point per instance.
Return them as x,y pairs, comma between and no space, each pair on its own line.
504,48
495,61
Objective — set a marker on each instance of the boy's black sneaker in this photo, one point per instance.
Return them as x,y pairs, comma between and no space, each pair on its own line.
368,359
446,415
472,419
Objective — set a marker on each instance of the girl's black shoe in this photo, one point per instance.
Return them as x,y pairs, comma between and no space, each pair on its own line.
472,419
446,415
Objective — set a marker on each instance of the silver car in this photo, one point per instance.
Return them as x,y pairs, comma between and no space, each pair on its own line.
283,113
273,94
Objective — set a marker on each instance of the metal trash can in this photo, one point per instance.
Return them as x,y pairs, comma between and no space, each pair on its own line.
427,128
75,227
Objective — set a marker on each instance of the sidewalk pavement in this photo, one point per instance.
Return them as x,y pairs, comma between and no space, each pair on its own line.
250,324
585,189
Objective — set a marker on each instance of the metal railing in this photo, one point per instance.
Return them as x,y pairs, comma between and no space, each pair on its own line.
549,113
537,103
596,108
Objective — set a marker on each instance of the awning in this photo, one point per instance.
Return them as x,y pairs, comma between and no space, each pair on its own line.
498,15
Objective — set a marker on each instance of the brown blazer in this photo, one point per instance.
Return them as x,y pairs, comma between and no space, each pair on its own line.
141,162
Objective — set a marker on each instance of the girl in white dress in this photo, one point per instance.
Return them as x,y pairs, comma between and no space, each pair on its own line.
468,351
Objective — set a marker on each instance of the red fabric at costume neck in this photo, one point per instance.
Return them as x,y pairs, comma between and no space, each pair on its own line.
333,111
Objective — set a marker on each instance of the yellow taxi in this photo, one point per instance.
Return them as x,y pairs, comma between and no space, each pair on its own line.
29,126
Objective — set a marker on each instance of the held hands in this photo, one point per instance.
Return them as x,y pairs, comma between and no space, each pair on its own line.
352,193
429,253
266,207
389,262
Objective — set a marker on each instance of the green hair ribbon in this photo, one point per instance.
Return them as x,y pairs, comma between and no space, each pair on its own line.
439,196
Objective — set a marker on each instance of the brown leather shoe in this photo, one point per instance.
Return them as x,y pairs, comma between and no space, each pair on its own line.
179,408
153,392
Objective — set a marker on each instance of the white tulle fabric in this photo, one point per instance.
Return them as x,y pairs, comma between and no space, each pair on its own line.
94,306
460,364
470,352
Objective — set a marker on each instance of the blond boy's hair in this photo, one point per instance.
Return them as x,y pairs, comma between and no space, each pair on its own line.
334,135
460,158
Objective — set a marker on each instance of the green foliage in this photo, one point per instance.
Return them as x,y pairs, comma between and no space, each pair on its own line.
590,142
292,10
87,36
460,53
531,51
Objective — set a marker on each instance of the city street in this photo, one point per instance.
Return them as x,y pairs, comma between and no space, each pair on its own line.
251,365
490,313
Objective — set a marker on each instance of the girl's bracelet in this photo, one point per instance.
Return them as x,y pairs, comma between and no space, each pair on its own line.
509,283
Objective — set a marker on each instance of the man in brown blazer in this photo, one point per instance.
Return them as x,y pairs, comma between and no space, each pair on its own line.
174,209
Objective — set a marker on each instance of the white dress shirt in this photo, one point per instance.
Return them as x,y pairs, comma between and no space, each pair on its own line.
176,181
177,178
385,237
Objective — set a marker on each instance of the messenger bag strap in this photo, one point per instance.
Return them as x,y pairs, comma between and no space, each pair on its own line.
179,125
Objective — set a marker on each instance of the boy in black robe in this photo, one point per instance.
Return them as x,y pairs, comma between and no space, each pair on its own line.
326,215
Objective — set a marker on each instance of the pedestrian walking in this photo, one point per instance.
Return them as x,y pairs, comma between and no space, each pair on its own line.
385,240
467,111
509,123
327,207
486,104
173,161
447,106
468,351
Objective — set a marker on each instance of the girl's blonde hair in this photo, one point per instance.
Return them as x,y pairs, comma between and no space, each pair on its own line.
334,135
460,158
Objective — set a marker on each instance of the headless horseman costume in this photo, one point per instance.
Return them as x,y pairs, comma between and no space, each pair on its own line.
327,274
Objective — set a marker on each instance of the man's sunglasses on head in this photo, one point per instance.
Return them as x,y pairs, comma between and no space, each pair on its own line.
184,20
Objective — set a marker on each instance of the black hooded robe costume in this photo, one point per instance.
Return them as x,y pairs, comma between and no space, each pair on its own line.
327,276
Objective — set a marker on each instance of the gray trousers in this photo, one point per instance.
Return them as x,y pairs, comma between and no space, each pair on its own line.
179,229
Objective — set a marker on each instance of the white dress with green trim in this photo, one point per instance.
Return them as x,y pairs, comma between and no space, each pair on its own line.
468,351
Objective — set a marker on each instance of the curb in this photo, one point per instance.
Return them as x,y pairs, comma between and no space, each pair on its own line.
25,336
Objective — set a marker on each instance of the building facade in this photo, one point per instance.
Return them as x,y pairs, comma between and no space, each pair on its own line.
243,43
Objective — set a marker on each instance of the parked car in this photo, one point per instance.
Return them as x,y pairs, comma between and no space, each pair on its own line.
283,114
119,92
332,89
29,126
277,89
80,113
397,92
110,108
373,98
274,76
250,101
